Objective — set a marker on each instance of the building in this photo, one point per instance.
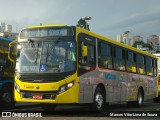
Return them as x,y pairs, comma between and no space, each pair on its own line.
5,27
137,38
154,41
119,38
6,31
9,35
2,27
125,38
8,28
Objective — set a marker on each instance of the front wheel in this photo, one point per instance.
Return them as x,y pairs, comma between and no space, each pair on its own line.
6,97
98,101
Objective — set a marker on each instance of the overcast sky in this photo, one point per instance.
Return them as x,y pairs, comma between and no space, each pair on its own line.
109,17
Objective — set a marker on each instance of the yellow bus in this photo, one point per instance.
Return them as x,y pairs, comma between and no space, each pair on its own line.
60,64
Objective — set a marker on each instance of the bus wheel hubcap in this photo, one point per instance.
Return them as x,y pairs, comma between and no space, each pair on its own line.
140,99
99,100
7,97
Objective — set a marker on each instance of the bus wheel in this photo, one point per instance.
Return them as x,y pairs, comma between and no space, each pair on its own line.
6,96
48,107
157,99
139,100
99,100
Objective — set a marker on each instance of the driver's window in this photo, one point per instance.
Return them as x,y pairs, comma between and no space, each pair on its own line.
87,54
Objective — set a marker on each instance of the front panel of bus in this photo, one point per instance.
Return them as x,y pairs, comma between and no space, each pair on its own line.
46,65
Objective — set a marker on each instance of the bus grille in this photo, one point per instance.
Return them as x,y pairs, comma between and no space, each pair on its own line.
42,77
46,95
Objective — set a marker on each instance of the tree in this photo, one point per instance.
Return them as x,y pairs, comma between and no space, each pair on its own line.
146,45
138,43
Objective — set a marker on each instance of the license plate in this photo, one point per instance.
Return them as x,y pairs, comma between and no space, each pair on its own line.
37,96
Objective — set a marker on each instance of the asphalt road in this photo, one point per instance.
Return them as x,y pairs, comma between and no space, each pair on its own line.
149,110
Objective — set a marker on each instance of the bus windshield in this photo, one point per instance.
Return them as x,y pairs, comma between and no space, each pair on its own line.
46,57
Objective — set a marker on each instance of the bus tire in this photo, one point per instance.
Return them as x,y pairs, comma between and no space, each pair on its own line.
48,107
98,101
139,100
157,99
7,98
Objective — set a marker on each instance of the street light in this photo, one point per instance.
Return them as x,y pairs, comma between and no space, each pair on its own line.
86,18
82,22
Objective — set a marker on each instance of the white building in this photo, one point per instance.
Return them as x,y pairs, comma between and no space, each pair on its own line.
2,27
6,31
5,27
154,41
119,38
8,28
125,38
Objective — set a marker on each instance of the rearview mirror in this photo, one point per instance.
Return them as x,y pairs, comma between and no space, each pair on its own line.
12,51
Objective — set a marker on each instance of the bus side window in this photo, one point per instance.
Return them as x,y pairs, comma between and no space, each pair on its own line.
131,63
86,54
119,58
104,55
140,64
154,65
149,67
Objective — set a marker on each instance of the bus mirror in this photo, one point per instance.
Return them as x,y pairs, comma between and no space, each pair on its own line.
12,51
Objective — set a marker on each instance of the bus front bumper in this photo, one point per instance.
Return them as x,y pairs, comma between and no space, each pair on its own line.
68,96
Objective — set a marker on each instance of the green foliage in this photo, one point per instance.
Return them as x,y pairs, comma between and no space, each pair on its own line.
146,45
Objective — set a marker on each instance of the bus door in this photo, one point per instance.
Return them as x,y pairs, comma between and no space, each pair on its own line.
86,63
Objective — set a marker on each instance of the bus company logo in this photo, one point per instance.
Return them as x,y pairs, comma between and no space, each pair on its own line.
37,87
6,114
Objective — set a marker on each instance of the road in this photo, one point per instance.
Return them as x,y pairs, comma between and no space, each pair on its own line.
69,112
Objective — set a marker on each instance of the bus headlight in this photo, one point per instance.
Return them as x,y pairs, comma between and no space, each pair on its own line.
66,87
69,85
62,88
17,87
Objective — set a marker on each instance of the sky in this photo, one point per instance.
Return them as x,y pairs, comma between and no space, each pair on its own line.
109,17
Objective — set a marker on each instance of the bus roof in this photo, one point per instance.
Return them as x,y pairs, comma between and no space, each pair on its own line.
5,39
47,25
